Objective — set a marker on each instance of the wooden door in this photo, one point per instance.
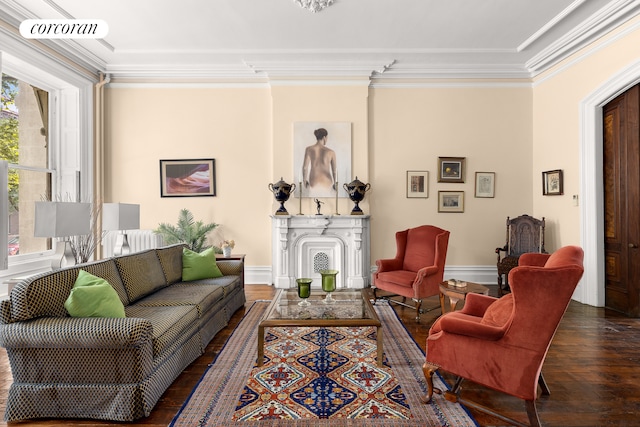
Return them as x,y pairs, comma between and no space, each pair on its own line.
622,203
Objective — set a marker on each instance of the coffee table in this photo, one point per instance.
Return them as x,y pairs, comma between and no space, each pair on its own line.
456,293
352,307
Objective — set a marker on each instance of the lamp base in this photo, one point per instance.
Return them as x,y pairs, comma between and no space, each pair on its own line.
63,256
122,245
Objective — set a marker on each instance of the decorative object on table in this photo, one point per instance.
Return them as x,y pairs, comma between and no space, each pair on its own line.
485,184
62,220
187,178
552,183
417,184
226,246
281,191
451,169
318,206
187,230
328,284
450,201
304,291
356,190
120,217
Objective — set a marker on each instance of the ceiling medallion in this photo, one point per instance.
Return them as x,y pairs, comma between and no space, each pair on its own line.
314,5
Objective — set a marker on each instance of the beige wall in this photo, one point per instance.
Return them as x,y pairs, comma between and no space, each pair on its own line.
516,130
249,133
557,138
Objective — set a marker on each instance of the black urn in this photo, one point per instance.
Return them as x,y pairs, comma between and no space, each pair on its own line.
281,191
356,190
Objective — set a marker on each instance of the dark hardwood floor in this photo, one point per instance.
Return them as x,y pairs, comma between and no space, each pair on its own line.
592,369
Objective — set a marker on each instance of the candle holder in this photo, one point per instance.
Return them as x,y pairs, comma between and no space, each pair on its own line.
304,291
328,284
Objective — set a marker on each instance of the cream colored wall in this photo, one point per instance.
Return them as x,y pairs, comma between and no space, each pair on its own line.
231,125
556,123
411,128
512,129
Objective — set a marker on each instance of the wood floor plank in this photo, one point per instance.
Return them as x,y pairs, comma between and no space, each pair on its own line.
592,369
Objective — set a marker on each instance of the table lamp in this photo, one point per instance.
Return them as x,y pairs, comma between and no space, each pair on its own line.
120,217
62,220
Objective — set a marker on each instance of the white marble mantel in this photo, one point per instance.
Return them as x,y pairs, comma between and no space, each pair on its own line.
302,244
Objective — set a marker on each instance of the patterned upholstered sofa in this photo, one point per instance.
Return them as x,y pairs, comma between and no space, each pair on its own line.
111,368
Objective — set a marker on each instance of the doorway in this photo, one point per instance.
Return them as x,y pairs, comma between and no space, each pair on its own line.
621,180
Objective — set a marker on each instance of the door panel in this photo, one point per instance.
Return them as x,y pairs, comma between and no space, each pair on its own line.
622,202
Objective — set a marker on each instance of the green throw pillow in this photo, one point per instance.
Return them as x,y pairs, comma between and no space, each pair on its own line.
93,296
199,265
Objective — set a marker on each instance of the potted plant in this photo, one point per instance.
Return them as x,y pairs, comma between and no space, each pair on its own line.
187,230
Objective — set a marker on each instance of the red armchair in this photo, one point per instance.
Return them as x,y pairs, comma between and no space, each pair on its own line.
502,343
418,267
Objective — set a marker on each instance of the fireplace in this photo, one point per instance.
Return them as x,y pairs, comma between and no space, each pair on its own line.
302,245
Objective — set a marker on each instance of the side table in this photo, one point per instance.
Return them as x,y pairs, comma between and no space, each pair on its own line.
456,293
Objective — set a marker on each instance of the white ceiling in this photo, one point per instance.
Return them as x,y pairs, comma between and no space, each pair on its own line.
397,38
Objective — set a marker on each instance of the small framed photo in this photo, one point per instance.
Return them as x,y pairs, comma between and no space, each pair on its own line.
188,178
417,184
451,169
450,201
485,184
552,183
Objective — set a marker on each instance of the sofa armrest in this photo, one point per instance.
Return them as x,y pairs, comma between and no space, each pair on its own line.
230,267
71,332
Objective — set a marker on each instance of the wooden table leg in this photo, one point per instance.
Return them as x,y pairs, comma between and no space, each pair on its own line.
260,360
453,301
442,302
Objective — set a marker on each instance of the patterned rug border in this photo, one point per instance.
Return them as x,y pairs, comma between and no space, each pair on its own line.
215,405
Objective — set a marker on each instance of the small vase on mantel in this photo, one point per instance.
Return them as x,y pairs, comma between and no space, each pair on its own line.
356,190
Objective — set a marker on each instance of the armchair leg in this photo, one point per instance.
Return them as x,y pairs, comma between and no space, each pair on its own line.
428,371
418,304
375,296
543,385
532,413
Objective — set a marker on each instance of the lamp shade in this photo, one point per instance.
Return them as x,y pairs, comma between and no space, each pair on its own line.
62,219
120,216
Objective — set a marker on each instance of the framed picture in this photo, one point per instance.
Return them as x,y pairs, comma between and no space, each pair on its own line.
451,169
485,184
552,183
450,201
417,184
188,178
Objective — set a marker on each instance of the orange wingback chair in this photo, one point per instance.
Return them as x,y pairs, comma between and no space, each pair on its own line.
418,267
502,343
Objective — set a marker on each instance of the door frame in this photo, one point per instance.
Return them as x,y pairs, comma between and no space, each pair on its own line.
591,288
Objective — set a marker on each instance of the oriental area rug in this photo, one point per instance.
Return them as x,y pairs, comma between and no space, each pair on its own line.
318,377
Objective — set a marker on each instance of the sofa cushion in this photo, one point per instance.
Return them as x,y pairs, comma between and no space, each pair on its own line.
141,274
499,312
171,262
200,265
171,325
202,296
93,296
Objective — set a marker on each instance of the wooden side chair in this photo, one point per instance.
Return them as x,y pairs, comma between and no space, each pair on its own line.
525,234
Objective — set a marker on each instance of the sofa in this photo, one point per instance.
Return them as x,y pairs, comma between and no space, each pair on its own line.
112,368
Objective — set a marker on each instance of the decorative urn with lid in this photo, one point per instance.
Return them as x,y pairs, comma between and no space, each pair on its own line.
356,190
281,191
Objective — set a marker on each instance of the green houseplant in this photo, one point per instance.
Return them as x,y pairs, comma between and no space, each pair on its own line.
187,230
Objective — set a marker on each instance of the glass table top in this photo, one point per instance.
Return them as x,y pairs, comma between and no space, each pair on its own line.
349,304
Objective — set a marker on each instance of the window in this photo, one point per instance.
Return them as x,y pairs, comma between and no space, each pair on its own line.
46,149
24,128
